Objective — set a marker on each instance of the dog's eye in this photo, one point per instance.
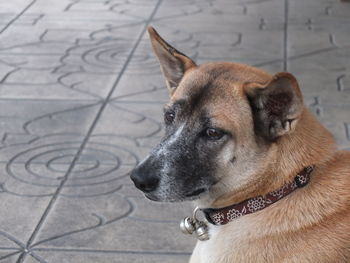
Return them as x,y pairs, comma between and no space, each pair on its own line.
169,117
214,134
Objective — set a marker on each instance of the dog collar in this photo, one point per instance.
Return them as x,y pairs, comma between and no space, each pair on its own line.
222,216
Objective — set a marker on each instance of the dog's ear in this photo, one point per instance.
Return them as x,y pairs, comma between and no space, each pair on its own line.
173,63
276,105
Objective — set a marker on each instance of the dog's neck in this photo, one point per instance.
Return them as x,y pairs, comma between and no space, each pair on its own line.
309,144
227,214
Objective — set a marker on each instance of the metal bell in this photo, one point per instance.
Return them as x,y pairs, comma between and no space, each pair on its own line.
190,225
187,225
202,232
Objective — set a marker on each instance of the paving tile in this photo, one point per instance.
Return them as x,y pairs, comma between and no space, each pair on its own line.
240,44
23,212
77,256
322,73
114,221
9,256
300,11
303,42
133,120
24,123
14,6
89,180
56,69
31,180
208,11
132,126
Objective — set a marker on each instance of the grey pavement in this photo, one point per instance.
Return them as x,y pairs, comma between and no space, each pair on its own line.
81,100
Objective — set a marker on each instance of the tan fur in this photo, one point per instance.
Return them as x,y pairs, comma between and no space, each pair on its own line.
312,224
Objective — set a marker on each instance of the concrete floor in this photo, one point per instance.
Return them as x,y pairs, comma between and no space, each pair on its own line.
81,100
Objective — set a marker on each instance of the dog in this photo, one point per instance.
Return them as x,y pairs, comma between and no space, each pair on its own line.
235,134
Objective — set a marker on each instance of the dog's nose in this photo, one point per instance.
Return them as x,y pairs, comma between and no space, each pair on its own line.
145,182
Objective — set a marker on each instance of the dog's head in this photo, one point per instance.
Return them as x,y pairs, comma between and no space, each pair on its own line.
221,122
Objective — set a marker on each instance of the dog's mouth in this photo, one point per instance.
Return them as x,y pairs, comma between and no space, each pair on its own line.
186,197
152,198
196,192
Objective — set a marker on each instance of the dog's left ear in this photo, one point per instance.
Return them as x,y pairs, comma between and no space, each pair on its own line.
276,106
173,63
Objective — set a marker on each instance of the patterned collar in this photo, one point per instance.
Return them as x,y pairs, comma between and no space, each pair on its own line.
222,216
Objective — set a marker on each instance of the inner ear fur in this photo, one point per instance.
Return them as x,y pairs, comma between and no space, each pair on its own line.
276,106
172,62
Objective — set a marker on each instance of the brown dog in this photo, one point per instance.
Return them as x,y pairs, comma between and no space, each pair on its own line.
235,133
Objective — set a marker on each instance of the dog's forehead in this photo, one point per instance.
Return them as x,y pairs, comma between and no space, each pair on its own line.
219,78
215,90
203,80
207,88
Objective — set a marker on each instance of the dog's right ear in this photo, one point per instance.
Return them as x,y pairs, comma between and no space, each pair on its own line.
173,63
276,105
